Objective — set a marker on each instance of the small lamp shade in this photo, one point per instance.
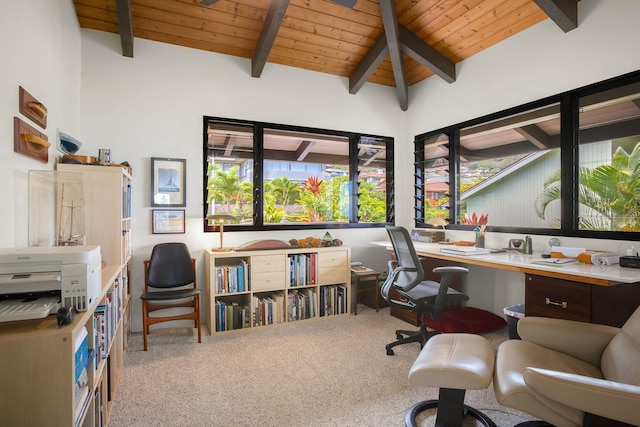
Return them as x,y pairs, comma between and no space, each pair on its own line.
220,219
437,221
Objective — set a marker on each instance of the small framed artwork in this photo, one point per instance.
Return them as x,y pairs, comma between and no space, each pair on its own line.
167,221
168,182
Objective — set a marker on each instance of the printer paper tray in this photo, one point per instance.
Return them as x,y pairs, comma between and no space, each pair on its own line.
11,310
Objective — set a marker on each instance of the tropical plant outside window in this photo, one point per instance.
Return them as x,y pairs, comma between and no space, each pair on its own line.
609,159
569,163
306,177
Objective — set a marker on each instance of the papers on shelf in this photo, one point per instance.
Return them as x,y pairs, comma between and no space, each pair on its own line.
559,262
465,250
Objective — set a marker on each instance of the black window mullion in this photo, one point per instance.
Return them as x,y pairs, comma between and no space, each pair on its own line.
354,203
569,164
454,171
258,176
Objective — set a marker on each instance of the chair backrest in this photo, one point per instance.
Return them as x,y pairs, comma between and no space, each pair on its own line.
170,266
407,269
620,361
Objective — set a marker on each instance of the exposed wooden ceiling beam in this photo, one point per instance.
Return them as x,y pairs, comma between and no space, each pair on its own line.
390,23
368,65
304,149
535,135
425,54
125,24
346,3
229,146
563,12
275,15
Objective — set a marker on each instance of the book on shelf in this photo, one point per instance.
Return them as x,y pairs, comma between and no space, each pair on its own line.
556,262
231,279
302,269
81,352
465,250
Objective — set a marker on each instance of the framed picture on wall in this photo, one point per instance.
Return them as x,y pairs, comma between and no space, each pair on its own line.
167,221
168,182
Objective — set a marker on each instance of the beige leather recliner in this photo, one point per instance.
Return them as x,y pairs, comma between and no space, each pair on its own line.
571,373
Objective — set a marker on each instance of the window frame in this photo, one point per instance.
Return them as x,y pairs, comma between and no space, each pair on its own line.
258,224
569,163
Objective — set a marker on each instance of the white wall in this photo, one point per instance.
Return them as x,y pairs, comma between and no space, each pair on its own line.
40,51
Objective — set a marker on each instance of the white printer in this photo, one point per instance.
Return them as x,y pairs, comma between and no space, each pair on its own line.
35,281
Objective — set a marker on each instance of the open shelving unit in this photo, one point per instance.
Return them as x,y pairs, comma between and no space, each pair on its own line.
248,289
68,376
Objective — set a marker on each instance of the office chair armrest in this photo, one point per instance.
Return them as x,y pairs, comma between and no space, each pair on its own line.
451,269
609,399
585,341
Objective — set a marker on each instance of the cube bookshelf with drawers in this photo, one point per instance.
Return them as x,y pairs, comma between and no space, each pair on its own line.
246,289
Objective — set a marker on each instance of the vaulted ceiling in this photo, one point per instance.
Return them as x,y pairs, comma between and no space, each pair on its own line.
393,43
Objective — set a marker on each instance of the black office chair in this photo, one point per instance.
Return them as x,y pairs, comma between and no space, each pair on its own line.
171,271
407,277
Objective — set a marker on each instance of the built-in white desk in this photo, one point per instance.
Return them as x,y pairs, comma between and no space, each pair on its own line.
586,292
512,260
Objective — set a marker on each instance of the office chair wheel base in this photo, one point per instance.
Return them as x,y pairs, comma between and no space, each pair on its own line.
390,352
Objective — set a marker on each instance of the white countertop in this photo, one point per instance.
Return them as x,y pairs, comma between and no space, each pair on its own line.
512,260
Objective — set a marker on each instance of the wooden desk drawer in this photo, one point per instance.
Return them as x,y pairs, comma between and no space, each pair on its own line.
560,299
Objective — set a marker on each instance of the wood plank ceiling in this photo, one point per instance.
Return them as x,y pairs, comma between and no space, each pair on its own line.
393,43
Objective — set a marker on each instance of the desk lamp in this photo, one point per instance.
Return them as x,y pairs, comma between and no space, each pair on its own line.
220,220
437,221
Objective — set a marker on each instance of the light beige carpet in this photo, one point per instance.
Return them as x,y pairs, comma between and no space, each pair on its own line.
326,372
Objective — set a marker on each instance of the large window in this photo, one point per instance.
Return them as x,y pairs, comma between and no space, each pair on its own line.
276,176
568,164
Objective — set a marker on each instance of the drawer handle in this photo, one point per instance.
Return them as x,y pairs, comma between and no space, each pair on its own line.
562,304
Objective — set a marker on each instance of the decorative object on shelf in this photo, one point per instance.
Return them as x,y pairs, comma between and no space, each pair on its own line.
29,141
220,219
67,144
259,245
312,242
168,221
70,146
168,182
104,157
32,108
438,221
70,229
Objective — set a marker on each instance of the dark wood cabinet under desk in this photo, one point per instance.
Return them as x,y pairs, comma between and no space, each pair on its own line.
428,264
566,299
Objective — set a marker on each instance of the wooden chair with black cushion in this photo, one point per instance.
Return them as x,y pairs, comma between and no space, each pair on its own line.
407,277
169,283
